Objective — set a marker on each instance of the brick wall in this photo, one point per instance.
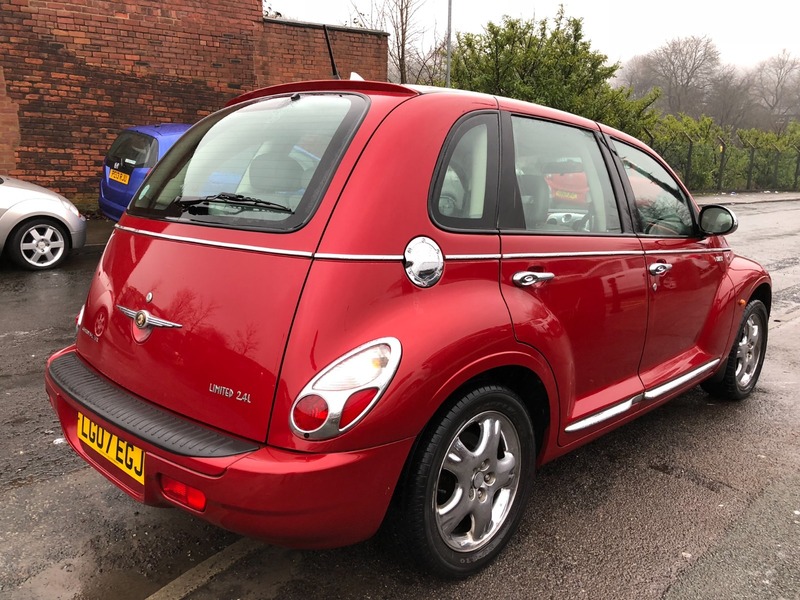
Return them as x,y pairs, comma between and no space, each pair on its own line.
72,74
9,128
294,51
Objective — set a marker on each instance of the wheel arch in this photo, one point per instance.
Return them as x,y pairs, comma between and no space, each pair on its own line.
763,292
760,290
521,380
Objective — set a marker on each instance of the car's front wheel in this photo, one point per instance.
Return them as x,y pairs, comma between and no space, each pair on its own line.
38,244
468,483
740,373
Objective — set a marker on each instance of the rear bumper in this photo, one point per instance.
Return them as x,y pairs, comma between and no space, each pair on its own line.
286,498
110,209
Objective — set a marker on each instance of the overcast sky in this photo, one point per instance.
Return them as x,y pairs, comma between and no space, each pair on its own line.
745,32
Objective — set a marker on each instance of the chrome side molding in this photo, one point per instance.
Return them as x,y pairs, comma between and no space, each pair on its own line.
652,394
679,381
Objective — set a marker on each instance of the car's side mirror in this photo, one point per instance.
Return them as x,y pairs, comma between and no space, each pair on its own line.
717,220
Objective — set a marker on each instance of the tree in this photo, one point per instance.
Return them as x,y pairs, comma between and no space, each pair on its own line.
684,68
637,75
547,63
777,88
409,60
729,100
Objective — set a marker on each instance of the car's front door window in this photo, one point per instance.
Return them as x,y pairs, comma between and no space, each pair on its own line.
662,209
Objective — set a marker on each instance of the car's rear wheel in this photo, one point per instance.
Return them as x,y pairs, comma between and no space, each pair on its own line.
468,482
38,244
743,367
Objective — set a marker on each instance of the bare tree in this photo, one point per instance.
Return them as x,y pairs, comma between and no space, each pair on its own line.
777,88
684,68
729,100
401,16
428,66
409,60
638,75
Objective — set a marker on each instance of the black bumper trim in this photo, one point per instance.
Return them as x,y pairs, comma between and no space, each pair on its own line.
141,419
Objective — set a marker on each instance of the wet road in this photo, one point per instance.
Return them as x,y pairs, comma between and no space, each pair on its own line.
694,500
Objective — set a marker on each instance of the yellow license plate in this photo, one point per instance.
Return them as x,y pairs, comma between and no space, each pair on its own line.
126,457
123,178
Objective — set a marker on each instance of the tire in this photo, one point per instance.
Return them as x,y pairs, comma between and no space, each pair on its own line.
743,366
467,483
38,244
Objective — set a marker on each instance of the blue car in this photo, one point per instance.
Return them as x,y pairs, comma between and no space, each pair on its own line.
135,151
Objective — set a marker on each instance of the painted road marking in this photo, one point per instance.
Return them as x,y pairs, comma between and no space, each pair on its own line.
208,569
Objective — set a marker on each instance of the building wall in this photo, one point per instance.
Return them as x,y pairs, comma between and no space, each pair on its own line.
72,74
293,51
9,127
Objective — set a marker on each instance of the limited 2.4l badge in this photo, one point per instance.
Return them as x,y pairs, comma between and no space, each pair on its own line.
222,390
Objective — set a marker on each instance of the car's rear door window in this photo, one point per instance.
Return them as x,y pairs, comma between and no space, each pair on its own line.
464,191
261,165
563,185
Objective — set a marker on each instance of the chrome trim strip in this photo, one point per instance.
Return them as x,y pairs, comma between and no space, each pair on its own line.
351,257
202,242
679,381
399,257
604,415
573,254
696,251
473,257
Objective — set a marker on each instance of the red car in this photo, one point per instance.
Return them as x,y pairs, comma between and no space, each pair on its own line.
337,300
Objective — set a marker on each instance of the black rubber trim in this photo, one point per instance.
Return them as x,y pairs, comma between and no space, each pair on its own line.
139,418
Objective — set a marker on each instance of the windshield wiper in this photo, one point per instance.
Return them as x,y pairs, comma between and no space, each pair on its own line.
236,199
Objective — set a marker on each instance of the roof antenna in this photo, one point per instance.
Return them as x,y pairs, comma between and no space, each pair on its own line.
330,52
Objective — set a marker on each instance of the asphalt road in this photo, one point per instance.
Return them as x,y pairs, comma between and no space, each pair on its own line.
697,499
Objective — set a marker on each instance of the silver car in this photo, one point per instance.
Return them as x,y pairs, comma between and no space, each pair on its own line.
38,227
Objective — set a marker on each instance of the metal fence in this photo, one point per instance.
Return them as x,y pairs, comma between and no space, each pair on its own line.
729,165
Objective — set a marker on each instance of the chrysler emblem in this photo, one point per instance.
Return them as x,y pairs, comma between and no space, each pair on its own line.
144,320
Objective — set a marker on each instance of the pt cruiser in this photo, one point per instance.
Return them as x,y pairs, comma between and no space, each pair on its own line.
335,301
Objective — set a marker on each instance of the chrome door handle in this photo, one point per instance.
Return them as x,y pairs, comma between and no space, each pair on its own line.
528,278
659,268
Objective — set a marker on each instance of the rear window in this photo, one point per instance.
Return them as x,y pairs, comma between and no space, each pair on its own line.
133,150
261,165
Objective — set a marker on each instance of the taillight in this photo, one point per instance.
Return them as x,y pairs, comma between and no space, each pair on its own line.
355,406
344,392
310,413
179,492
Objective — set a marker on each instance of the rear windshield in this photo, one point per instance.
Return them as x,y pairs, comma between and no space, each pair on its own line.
261,165
133,150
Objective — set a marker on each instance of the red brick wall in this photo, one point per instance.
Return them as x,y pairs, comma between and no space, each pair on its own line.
9,128
294,51
72,74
